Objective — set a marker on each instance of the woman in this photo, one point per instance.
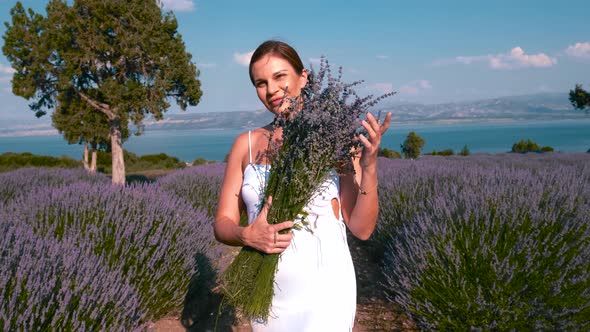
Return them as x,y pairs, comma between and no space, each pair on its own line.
315,288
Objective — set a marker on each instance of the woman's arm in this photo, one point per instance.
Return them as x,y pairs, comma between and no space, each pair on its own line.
358,192
259,234
230,204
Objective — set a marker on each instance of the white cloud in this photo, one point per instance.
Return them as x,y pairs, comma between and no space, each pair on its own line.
516,58
382,57
579,50
6,69
382,87
533,60
178,5
243,58
415,87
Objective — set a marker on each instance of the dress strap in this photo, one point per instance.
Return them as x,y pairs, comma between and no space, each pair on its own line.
250,145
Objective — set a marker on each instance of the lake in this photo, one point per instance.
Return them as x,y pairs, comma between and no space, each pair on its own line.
484,137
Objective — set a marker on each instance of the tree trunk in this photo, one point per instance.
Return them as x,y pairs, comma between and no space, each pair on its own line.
85,158
118,167
93,160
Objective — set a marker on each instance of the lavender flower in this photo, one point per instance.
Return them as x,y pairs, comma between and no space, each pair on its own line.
25,180
199,185
148,235
487,242
46,284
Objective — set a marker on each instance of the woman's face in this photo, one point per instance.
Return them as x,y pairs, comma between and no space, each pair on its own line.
274,77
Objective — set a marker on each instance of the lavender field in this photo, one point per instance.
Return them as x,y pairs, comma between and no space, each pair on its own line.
494,242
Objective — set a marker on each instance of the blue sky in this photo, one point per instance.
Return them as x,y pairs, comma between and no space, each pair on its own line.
427,51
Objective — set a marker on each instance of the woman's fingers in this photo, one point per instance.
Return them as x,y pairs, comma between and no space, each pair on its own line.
385,124
283,225
272,241
264,211
365,141
374,130
371,131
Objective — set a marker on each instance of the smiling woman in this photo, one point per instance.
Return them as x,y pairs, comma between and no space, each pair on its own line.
312,286
277,77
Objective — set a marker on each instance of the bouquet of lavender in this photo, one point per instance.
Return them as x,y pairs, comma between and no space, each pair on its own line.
320,133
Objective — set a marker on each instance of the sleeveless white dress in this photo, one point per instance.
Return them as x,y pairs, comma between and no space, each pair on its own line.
315,285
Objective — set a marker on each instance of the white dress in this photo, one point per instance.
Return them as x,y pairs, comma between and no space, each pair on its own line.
315,285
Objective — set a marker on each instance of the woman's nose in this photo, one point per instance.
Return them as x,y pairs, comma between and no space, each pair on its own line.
273,87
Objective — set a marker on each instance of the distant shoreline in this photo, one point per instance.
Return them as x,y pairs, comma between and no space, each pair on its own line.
49,131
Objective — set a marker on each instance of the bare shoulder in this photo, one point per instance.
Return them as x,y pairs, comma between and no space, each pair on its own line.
240,149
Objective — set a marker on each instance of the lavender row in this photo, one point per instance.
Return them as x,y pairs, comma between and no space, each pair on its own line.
487,242
47,284
199,185
151,238
25,180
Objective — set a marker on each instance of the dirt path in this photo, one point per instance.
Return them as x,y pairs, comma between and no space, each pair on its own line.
374,312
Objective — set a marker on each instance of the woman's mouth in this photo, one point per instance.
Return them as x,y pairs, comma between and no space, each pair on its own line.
276,102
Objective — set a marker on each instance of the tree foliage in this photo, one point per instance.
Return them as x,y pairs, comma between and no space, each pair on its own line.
122,58
445,152
580,98
412,146
465,151
529,146
389,153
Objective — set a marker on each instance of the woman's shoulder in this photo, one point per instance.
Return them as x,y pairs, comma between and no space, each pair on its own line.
244,138
243,143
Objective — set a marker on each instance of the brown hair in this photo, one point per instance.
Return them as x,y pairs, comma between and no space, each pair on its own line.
280,49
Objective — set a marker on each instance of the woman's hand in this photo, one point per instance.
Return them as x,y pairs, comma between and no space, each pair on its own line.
371,144
265,237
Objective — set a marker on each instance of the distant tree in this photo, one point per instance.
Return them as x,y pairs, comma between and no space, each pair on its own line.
412,146
547,149
580,98
446,152
526,146
465,151
124,58
199,161
388,153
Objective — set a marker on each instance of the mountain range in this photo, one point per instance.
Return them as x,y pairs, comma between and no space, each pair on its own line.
537,107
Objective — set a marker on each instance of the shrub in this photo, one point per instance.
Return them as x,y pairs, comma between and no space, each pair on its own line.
26,180
151,237
546,149
135,163
465,151
51,285
11,161
490,244
199,161
388,153
525,146
447,152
